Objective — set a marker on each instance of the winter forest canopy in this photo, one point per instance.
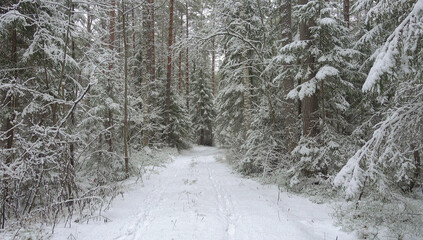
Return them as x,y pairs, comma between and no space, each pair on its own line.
321,97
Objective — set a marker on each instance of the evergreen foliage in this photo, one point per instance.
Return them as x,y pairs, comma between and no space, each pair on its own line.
301,95
203,109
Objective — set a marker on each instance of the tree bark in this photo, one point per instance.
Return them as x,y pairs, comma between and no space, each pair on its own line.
133,29
180,58
71,170
169,63
347,12
288,83
417,165
61,88
10,132
187,60
246,94
310,105
125,94
150,66
246,85
213,76
109,123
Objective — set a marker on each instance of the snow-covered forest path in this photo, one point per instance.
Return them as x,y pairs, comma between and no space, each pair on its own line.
197,197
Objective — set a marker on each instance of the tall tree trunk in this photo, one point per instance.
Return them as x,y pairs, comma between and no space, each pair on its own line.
174,62
163,54
71,125
288,83
246,94
187,59
10,132
89,21
150,68
246,85
109,123
61,88
169,63
118,30
310,105
180,57
347,12
417,164
213,66
125,94
202,142
133,29
213,77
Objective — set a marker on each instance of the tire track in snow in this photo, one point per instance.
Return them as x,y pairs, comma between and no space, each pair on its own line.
143,218
197,198
225,205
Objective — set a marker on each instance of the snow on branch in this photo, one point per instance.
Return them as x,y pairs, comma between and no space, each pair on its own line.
10,17
386,56
305,89
326,71
384,151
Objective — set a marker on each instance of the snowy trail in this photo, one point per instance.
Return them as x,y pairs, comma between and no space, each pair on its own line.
196,197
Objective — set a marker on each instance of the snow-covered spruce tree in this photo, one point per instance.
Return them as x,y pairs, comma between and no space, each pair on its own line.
229,98
263,147
178,130
324,89
203,109
201,99
237,72
388,165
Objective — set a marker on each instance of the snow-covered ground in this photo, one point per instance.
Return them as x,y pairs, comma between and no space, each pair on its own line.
197,197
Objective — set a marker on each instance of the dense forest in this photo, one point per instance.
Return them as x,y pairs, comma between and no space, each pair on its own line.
321,97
